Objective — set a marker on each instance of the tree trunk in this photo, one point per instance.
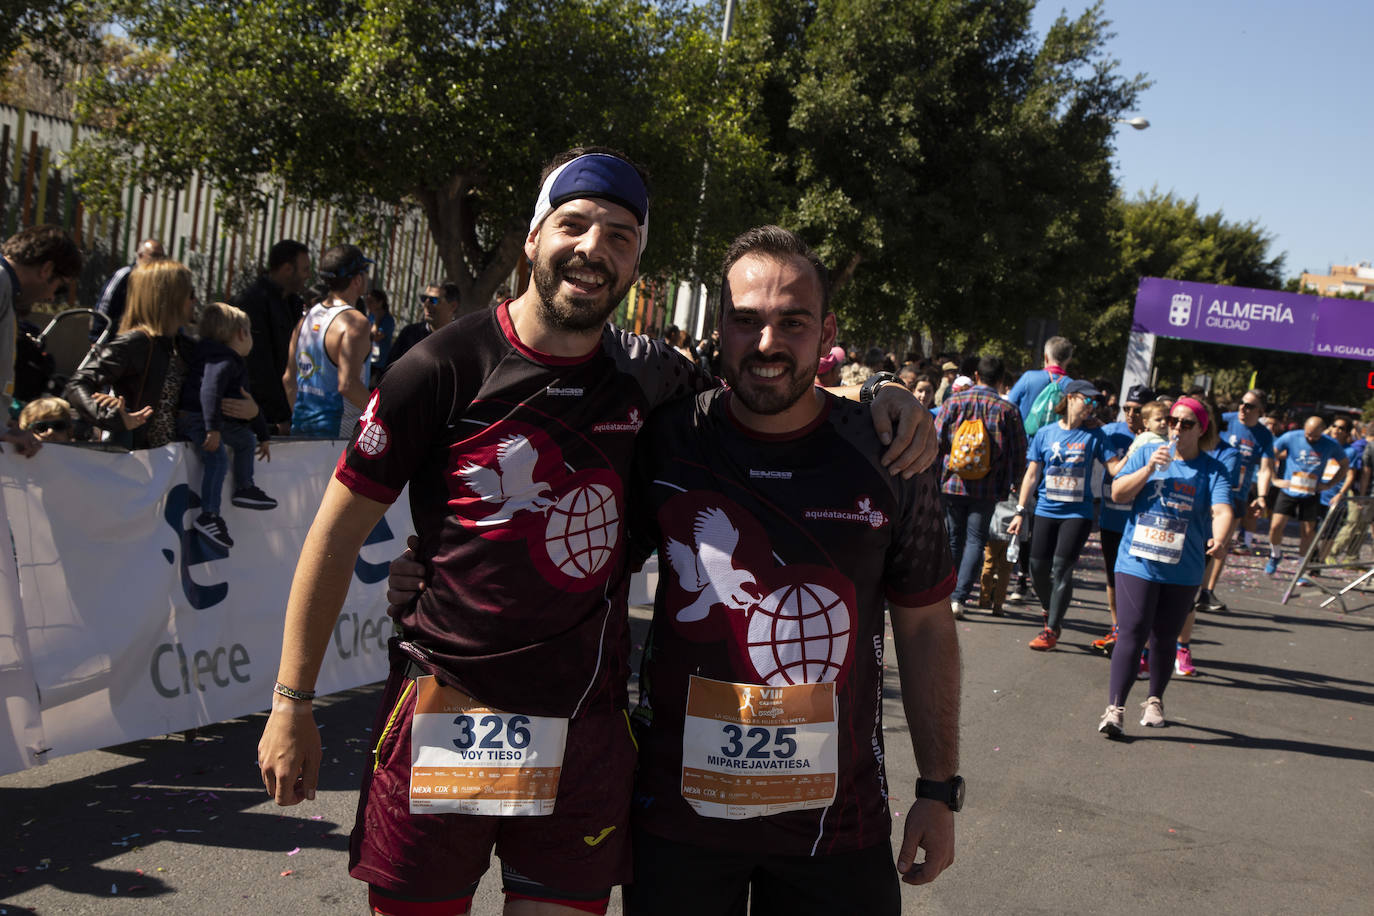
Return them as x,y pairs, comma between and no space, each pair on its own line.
478,272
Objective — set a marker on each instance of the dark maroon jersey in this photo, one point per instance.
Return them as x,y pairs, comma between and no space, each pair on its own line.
776,555
516,462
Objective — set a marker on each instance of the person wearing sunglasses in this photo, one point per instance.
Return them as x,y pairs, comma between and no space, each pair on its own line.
1111,520
50,419
1065,451
1244,432
1305,452
440,305
1180,499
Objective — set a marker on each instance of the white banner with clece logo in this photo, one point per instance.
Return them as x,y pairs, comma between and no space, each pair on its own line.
123,622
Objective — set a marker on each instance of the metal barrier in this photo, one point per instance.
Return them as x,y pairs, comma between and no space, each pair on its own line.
1340,543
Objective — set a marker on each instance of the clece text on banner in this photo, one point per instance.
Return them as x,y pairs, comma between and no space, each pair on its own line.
354,634
220,664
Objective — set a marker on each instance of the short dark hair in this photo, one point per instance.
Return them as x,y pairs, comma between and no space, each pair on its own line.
285,252
340,264
990,370
779,244
37,245
450,291
380,295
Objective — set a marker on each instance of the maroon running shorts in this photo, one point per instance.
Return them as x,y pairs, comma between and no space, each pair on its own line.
582,848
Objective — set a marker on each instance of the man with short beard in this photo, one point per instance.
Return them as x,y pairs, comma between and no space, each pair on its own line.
782,542
514,429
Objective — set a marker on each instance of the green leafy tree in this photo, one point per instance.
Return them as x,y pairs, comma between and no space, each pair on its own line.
455,105
955,173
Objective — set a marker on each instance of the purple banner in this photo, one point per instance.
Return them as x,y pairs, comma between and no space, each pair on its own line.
1345,328
1263,319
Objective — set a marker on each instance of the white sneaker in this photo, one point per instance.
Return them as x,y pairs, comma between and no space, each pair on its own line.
958,608
1111,721
1153,717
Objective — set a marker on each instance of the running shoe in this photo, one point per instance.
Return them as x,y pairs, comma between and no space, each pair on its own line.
958,608
1018,591
1106,644
1272,566
997,611
1144,663
1208,601
213,529
1183,662
1153,716
1045,641
252,498
1304,582
1111,721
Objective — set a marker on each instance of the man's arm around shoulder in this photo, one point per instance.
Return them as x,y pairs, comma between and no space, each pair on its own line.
927,646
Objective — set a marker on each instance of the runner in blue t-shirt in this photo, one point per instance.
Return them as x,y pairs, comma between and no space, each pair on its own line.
1180,511
1183,657
1339,541
1065,450
1306,453
1244,432
1336,486
1111,518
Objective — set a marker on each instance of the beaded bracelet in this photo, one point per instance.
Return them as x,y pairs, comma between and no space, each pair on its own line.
292,694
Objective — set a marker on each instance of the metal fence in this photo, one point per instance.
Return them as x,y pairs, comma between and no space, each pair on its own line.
1343,541
35,187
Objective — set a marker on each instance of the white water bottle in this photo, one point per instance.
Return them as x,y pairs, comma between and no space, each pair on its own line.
1014,550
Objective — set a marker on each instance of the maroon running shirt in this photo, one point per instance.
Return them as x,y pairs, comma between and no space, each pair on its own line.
516,462
776,555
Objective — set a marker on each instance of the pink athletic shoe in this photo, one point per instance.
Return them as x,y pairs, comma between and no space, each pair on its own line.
1183,663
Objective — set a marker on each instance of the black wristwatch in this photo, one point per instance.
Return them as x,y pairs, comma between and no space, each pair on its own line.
869,389
951,792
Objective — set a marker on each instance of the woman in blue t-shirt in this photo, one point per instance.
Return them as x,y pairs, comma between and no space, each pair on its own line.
1180,500
1065,451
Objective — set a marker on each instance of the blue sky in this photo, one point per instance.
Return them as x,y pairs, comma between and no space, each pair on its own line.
1259,109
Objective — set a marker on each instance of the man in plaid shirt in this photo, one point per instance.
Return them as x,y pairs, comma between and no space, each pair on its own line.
969,503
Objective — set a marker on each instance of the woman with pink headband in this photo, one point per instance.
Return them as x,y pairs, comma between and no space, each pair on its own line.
1180,499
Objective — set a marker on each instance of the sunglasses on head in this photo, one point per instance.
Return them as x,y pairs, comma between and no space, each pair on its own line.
429,300
1182,423
51,426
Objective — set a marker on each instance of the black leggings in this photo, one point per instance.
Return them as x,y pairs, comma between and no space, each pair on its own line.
1150,611
1055,545
1111,545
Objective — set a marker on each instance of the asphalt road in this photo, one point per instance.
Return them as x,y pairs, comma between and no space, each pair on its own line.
1258,797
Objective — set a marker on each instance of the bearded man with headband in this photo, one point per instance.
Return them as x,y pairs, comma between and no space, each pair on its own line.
503,722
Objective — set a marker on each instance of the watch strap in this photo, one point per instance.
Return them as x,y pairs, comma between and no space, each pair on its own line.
870,387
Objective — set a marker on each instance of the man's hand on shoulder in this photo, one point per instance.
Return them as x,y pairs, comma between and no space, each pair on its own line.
916,442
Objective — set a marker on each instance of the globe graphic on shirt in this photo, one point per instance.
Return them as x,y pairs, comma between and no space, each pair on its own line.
582,530
799,634
373,440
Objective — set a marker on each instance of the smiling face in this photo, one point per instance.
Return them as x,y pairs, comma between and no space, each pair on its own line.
772,338
584,257
925,393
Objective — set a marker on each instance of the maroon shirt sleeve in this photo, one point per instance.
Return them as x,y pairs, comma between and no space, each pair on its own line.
397,430
919,570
